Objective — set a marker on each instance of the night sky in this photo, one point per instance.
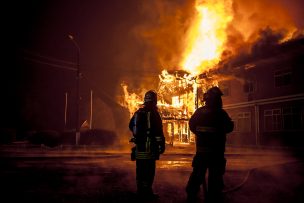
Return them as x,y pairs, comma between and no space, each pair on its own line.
40,57
127,41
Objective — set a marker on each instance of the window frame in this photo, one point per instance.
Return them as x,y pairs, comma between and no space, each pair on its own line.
276,119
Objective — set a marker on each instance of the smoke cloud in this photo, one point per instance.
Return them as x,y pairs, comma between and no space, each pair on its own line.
164,31
262,24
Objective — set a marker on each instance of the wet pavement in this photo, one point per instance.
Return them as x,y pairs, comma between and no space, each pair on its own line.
91,174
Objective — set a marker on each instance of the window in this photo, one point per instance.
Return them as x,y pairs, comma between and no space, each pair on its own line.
272,120
292,118
243,122
283,78
248,87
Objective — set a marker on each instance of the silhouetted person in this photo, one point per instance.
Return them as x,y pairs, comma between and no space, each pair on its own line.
210,124
146,125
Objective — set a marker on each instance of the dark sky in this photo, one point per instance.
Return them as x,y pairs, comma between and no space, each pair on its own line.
39,56
102,29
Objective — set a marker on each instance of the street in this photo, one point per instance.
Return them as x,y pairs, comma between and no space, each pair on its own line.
95,175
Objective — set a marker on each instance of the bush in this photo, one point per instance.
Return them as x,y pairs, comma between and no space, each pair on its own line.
48,138
88,137
68,138
98,137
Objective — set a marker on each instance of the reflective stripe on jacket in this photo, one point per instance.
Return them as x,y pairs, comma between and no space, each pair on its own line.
146,126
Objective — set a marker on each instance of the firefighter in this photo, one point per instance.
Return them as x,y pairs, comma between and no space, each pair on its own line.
148,136
210,124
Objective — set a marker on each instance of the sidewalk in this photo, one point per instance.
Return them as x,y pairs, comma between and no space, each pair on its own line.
22,148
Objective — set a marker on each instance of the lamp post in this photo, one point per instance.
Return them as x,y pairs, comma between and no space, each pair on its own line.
71,37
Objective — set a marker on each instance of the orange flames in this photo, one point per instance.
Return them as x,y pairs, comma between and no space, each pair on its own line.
131,100
207,36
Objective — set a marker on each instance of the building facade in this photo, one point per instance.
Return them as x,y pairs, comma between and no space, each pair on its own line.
266,99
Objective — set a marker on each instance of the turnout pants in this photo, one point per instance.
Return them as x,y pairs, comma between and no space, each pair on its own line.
215,164
145,172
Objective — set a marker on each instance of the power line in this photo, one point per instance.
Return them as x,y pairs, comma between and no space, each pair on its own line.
48,57
52,61
72,69
50,64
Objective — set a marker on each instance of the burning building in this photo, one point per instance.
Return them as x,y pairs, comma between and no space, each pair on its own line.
179,90
240,49
179,95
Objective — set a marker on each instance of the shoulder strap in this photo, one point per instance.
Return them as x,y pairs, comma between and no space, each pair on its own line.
148,122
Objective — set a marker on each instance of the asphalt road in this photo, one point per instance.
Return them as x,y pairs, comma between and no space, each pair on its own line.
93,175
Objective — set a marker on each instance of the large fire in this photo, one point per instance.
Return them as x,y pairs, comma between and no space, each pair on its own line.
207,35
179,90
205,40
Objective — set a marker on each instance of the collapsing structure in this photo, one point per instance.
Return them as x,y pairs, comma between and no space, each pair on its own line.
179,95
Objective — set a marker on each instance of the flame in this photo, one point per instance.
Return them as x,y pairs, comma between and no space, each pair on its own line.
165,77
130,100
207,35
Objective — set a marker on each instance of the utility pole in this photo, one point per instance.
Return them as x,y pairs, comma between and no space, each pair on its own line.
71,37
91,110
65,110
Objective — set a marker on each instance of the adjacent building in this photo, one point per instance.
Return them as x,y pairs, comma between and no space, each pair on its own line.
266,99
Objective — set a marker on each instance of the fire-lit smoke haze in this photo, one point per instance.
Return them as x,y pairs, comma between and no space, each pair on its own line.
251,17
193,35
164,30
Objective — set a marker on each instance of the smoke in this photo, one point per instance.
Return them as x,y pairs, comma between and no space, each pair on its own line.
164,30
159,34
262,24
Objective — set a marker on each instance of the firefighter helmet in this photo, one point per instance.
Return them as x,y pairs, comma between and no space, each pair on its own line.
215,91
212,93
150,96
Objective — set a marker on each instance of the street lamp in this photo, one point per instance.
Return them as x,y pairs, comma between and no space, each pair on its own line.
71,37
